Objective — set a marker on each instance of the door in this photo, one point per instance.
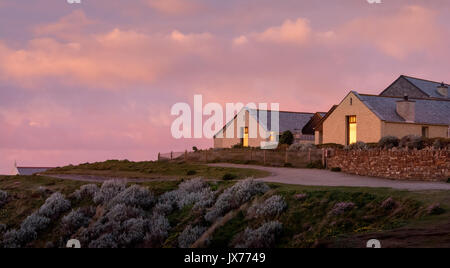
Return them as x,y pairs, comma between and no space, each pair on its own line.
351,129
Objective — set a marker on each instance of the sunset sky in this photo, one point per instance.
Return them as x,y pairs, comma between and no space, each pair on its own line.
96,81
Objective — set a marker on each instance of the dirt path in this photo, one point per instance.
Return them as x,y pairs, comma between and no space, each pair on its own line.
316,177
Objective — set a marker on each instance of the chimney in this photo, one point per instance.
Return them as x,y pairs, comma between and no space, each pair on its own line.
407,109
443,90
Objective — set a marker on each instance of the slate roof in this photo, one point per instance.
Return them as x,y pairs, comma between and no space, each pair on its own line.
428,87
292,121
428,111
28,171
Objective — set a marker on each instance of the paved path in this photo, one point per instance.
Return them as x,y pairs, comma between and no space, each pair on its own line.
100,179
316,177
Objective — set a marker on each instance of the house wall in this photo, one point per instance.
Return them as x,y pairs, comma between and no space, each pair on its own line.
369,126
403,129
401,87
230,142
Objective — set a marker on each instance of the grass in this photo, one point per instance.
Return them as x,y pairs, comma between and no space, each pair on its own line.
305,223
157,170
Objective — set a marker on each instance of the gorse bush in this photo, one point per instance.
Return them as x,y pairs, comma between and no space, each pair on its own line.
234,197
389,142
263,237
3,198
273,206
108,191
86,191
134,196
54,206
190,235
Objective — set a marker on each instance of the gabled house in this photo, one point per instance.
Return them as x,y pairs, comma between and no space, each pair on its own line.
299,123
368,118
416,88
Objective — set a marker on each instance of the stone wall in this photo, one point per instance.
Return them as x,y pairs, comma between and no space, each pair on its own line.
427,165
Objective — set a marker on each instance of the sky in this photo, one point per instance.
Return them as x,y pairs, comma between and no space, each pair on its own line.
95,81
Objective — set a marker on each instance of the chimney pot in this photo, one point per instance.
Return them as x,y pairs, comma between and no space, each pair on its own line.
443,90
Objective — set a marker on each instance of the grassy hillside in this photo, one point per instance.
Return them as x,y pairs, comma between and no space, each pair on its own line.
150,169
222,214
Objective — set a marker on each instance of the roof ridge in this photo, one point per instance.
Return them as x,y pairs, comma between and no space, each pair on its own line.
426,80
398,97
285,111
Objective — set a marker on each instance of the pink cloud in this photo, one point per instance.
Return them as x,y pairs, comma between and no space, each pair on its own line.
175,7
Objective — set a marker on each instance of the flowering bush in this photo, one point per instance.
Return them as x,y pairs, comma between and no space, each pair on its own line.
273,206
27,232
54,206
108,191
342,207
86,191
263,237
190,235
3,198
158,229
235,196
135,196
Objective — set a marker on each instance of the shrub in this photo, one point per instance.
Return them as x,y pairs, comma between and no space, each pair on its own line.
134,196
16,238
237,146
86,191
2,228
341,208
412,142
54,206
3,198
300,147
158,230
35,223
76,219
105,241
330,146
435,209
191,173
336,169
448,180
288,165
229,177
273,206
287,138
439,143
108,191
133,232
316,164
389,142
358,146
190,235
263,237
193,192
389,204
195,149
235,196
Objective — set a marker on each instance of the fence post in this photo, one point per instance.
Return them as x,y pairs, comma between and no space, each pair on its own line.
251,154
159,157
309,155
171,155
265,157
185,155
206,156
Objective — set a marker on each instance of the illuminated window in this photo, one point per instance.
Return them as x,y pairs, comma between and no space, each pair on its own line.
245,143
351,129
